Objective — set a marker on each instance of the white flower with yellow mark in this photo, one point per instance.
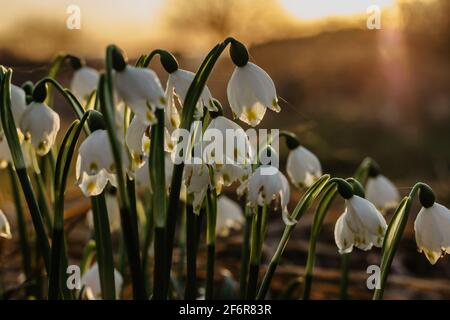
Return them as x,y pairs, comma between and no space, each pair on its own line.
229,216
5,229
95,164
40,125
197,180
361,225
91,282
84,80
303,167
138,141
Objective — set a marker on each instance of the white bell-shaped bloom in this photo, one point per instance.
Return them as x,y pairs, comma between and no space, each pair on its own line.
303,167
113,214
382,192
250,92
227,174
197,180
234,145
91,282
138,141
268,184
40,124
141,90
5,229
229,216
361,225
18,103
432,228
84,82
178,84
95,164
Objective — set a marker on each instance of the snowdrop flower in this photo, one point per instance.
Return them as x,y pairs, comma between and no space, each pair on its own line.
40,124
227,174
197,180
250,90
139,88
5,229
381,191
18,103
95,164
138,141
113,214
303,167
84,79
91,281
361,224
178,84
264,188
432,227
229,216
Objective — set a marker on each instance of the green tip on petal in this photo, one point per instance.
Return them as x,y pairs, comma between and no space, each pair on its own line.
40,92
345,189
118,60
357,187
238,53
426,196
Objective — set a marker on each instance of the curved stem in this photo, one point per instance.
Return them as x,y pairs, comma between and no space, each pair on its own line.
211,218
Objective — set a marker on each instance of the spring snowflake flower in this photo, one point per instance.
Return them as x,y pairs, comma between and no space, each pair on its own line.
197,180
95,164
303,167
382,192
5,229
361,225
40,124
432,229
18,103
84,80
91,281
142,175
229,216
138,141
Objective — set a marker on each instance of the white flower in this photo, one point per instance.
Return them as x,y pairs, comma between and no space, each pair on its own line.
113,214
138,141
268,184
382,192
91,281
227,174
178,84
40,124
84,82
303,167
95,164
234,147
197,180
229,216
141,90
432,228
5,229
18,103
142,175
361,225
250,91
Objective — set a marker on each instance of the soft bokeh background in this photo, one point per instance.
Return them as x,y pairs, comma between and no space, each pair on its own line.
349,92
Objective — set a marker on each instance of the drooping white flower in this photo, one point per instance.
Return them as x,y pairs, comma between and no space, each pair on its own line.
268,184
361,225
197,180
18,103
40,124
84,82
432,229
229,216
250,92
178,84
5,229
141,90
95,164
226,142
227,174
138,141
91,281
113,214
382,192
303,167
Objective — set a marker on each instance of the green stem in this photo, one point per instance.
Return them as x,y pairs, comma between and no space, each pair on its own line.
43,200
303,205
345,267
255,253
245,253
211,218
190,292
148,238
